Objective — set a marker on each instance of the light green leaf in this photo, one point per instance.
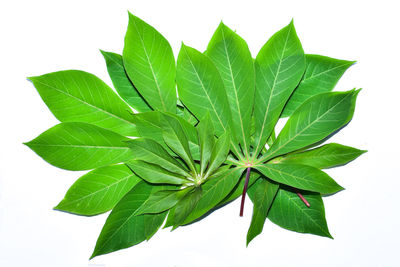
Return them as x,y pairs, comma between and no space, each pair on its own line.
321,75
78,96
122,84
214,191
300,176
232,57
279,67
205,132
123,229
318,117
289,212
150,64
161,201
99,190
219,153
80,146
323,157
262,193
155,174
186,115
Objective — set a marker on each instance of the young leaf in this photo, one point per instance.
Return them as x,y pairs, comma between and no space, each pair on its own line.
161,201
80,146
262,193
146,149
300,176
321,75
205,132
78,96
155,174
185,206
323,157
99,190
232,57
279,66
123,229
317,118
219,153
121,82
150,64
289,212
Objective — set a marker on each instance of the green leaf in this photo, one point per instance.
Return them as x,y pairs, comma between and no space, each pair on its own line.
300,176
238,189
148,150
262,193
78,96
321,75
289,212
318,117
161,201
323,157
186,115
99,190
201,88
150,64
219,153
185,206
80,146
205,132
123,229
155,174
121,82
214,191
232,57
279,66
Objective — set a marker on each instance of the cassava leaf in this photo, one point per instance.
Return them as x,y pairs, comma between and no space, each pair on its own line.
323,157
300,176
185,206
161,201
150,64
78,96
232,57
279,66
321,75
80,146
121,82
205,132
238,189
99,190
219,153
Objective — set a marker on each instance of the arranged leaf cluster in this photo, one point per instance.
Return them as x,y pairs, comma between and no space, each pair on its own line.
184,138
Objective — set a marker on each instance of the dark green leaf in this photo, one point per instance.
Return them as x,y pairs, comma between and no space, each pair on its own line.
238,189
205,132
185,206
219,153
161,201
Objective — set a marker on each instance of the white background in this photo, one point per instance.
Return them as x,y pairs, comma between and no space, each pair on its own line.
38,37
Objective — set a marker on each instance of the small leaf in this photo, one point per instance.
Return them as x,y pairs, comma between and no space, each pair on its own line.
300,176
219,153
262,193
78,96
205,132
161,201
80,146
289,212
323,157
150,64
185,206
155,174
99,190
121,82
321,75
279,66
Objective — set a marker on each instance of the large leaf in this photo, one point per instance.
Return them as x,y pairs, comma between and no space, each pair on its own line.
327,156
205,132
289,212
155,174
300,176
74,95
219,153
123,229
262,193
215,190
150,64
279,67
150,151
80,146
318,117
321,75
122,84
99,190
232,57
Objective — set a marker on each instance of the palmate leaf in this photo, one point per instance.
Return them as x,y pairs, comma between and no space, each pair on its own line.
78,96
205,132
150,64
99,190
80,146
232,57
